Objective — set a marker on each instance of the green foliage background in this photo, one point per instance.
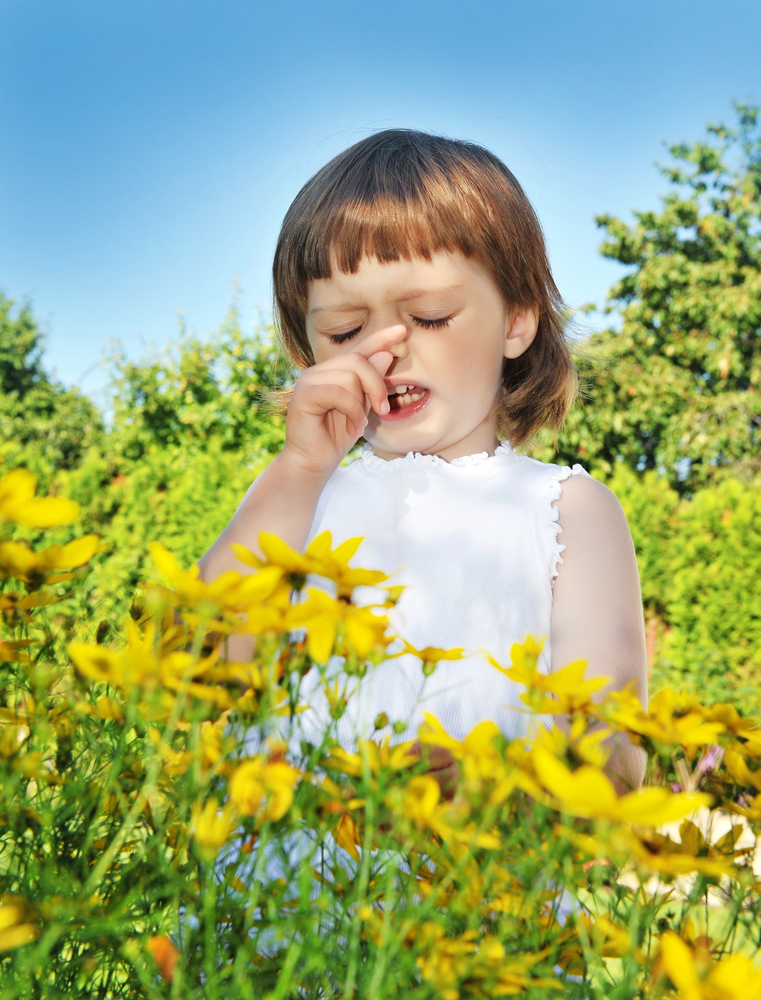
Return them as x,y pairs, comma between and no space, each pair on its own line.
670,417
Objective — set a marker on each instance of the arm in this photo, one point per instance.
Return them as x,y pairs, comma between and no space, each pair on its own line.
597,605
282,499
327,414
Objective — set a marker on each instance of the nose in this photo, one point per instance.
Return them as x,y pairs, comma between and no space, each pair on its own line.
386,346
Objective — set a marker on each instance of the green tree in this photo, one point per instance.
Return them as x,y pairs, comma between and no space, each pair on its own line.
42,424
207,395
675,385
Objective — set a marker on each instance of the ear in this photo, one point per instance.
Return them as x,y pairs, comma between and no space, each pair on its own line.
521,332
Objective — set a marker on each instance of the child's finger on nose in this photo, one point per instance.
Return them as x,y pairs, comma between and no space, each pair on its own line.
380,361
381,342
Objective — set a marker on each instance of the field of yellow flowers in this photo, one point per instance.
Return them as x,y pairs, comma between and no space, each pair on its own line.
162,836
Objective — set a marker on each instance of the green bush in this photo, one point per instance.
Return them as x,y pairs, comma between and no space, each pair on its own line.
700,563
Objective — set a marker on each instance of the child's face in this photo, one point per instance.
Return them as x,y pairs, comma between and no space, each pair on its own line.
458,331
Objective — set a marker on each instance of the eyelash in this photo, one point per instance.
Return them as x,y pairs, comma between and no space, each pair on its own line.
427,324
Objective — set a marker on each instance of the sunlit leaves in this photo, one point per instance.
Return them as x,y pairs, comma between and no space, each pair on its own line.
676,384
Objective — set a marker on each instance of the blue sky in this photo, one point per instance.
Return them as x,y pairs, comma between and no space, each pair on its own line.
149,148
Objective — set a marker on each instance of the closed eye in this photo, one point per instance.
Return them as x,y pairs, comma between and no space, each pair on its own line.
432,324
428,324
341,338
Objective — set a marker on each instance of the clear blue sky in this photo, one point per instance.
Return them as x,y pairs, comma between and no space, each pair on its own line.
149,148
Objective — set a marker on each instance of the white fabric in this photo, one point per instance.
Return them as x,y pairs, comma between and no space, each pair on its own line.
475,542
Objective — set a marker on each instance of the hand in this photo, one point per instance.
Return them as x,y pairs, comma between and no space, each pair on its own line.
332,400
441,765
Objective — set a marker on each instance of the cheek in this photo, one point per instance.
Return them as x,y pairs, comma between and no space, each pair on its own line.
475,361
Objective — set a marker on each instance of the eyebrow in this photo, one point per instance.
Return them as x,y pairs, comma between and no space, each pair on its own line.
413,293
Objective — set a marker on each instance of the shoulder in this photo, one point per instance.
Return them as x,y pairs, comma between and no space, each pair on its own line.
594,530
586,501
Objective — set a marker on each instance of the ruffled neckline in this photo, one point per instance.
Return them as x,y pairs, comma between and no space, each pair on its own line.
416,460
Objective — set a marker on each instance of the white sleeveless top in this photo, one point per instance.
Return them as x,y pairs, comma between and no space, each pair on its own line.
475,543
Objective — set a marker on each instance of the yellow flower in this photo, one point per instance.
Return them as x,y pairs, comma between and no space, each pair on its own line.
481,763
447,962
734,723
141,663
16,928
420,802
334,564
444,959
691,854
14,651
259,778
322,615
589,792
567,690
337,700
346,834
670,719
318,559
109,708
231,591
610,940
373,755
696,977
431,655
12,738
211,740
735,764
580,742
175,761
212,826
19,504
19,562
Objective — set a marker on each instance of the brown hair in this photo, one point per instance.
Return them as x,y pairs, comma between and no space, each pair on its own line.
401,193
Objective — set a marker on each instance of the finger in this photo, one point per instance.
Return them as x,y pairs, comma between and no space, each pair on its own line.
355,373
382,341
381,361
321,399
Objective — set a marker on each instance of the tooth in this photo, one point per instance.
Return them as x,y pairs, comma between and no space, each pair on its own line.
416,396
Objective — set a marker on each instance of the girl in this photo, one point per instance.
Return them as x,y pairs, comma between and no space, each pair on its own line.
413,290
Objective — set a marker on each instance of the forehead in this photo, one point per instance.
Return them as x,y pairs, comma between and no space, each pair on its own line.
375,282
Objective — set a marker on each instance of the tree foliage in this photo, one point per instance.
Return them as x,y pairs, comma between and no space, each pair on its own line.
698,560
199,394
42,424
676,385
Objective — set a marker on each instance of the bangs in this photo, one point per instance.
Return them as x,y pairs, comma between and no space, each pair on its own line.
389,226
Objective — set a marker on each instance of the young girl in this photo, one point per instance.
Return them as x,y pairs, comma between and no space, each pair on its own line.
413,290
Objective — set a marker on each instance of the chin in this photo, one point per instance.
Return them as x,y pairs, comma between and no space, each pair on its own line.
403,445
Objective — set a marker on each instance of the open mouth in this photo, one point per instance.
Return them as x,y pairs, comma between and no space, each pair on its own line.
403,396
405,401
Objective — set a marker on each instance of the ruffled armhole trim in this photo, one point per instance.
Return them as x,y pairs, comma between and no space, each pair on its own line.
555,492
